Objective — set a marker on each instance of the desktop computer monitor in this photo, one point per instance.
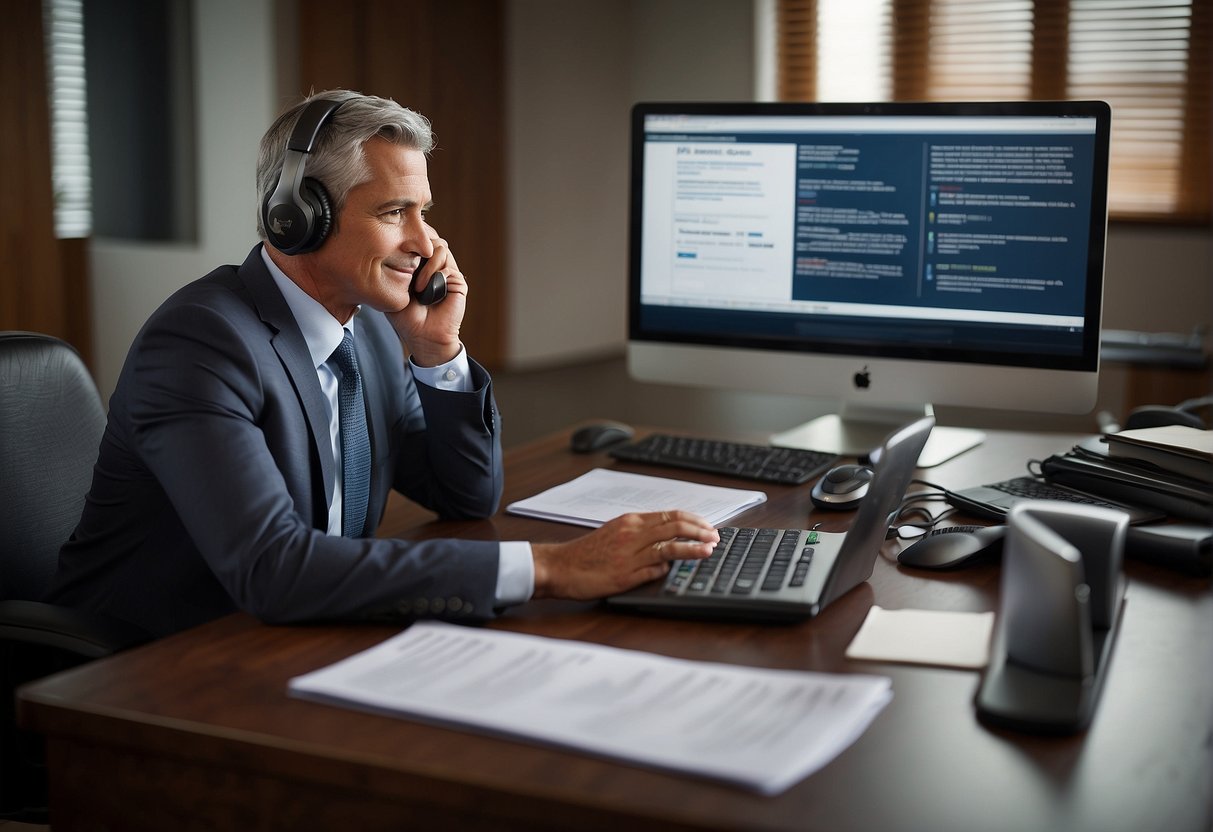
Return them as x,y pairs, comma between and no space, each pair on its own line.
885,257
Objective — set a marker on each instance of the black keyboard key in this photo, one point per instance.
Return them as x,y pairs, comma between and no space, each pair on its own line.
802,567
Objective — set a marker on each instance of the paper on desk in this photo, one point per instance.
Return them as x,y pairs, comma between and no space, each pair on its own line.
948,638
602,494
763,729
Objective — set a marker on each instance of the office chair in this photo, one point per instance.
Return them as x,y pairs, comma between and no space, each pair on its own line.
51,421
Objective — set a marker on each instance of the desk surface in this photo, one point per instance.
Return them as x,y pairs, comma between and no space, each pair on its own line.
196,730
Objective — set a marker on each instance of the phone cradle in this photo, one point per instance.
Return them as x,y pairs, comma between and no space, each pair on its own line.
1061,599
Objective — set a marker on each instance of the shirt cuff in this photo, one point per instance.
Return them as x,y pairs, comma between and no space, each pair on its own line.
515,573
455,375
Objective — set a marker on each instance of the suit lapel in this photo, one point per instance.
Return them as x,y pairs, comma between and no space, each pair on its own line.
292,350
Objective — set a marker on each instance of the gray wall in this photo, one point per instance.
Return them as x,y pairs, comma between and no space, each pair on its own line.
234,89
575,68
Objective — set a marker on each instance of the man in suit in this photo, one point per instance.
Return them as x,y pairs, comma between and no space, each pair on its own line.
224,481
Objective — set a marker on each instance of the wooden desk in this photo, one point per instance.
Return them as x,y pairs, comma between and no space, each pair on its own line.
196,731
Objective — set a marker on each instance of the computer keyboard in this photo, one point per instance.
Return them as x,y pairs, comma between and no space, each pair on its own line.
785,466
743,556
1031,488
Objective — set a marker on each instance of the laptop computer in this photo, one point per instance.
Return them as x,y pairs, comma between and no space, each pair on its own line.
993,500
772,574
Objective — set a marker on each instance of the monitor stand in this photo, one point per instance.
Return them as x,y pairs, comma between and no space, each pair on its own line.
856,430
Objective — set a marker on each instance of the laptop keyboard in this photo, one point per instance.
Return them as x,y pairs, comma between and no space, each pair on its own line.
1034,489
787,466
746,561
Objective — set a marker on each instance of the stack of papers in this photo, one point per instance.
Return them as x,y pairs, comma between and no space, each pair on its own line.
762,729
601,495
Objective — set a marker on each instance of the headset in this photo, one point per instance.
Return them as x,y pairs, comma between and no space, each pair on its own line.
298,214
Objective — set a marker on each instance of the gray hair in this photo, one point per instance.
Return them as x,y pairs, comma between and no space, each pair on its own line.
338,161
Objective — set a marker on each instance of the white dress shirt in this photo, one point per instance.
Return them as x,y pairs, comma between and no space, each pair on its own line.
322,333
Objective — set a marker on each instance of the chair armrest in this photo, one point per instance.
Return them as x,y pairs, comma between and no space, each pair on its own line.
83,633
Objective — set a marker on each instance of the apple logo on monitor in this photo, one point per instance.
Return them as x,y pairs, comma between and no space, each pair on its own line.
863,379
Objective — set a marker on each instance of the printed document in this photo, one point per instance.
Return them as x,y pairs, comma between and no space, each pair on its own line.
762,729
603,494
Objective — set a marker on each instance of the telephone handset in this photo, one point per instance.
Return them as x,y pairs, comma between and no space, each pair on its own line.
434,291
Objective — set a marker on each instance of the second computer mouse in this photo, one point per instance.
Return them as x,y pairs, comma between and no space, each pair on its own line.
953,546
598,436
842,487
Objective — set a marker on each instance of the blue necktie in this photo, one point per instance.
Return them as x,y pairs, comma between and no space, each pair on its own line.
355,442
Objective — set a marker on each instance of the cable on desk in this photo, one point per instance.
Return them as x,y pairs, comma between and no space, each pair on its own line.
912,504
928,484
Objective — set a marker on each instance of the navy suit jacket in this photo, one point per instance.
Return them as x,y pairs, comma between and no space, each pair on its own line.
210,493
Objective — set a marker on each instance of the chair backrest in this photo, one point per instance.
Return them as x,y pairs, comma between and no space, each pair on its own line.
51,421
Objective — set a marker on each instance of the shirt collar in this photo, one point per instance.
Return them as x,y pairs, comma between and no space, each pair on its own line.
321,331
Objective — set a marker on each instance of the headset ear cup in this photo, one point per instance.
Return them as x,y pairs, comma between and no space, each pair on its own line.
286,221
322,212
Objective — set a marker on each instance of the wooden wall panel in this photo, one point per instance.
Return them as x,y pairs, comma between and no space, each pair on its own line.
446,60
32,293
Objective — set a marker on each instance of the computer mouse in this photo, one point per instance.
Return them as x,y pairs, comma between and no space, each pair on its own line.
598,436
953,546
842,487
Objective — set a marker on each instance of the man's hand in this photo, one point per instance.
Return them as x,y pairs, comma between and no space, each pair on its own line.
626,552
431,333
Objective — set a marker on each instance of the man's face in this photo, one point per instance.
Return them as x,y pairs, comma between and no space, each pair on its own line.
379,235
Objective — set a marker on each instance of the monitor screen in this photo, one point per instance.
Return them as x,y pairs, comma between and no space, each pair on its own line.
884,256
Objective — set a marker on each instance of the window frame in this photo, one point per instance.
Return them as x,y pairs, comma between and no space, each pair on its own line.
795,50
